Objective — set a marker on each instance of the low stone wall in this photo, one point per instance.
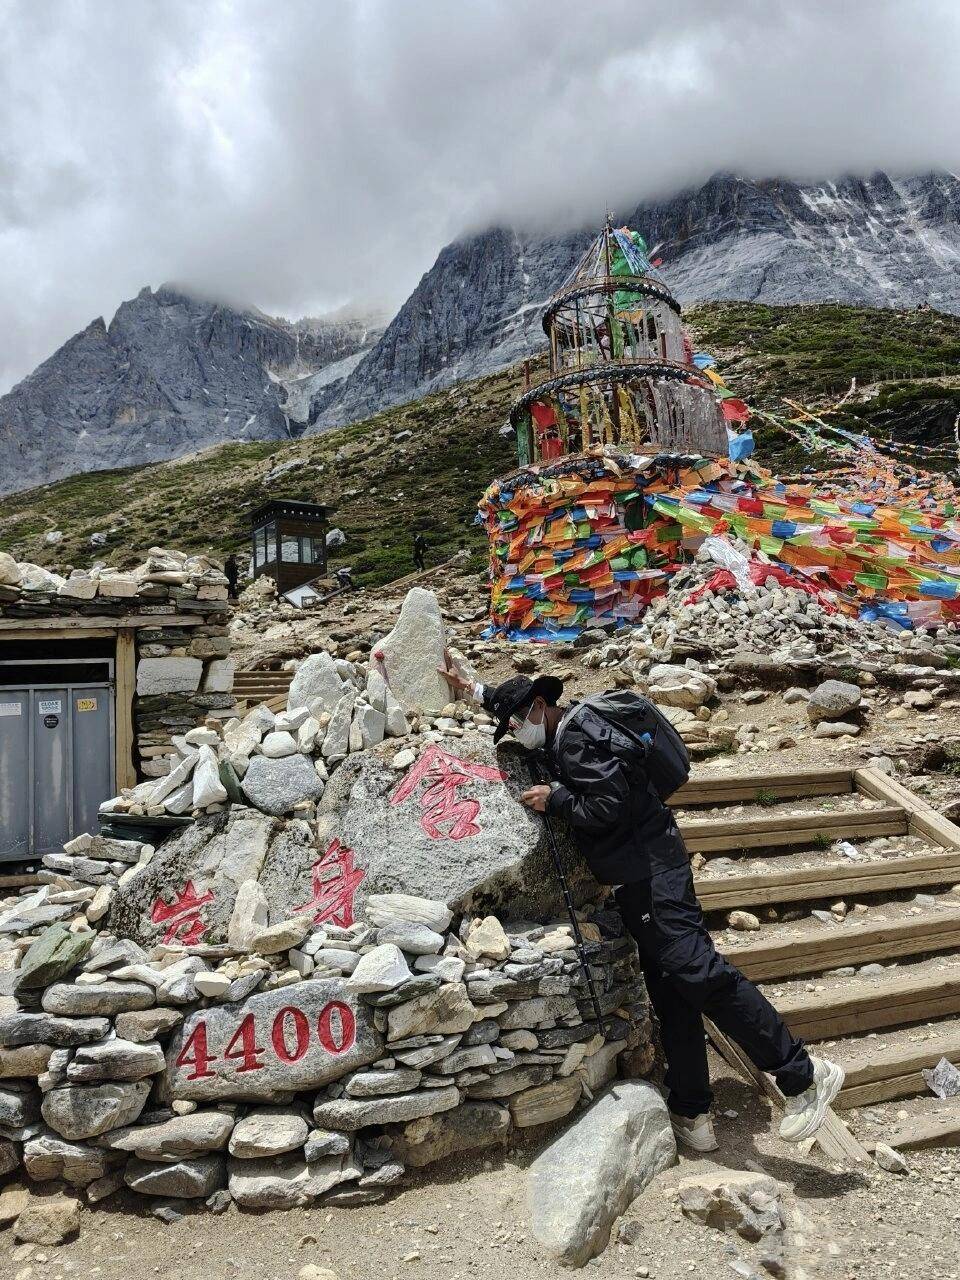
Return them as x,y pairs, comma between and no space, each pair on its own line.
324,1062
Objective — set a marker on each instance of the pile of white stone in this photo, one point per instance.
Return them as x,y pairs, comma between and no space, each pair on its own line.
185,1073
196,576
767,618
281,763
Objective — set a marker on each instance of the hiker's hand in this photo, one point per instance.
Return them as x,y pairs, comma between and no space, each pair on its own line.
459,683
537,797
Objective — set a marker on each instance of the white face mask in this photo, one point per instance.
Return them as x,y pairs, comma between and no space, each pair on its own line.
530,735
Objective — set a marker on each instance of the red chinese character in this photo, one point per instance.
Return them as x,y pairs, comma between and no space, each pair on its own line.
182,916
446,816
335,881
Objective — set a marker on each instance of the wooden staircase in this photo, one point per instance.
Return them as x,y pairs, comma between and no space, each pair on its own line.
253,687
781,858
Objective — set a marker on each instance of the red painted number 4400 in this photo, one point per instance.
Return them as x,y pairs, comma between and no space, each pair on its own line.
290,1037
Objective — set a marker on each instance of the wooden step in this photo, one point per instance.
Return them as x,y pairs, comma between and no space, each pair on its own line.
806,884
923,819
712,835
826,948
924,1131
894,1071
738,788
890,1000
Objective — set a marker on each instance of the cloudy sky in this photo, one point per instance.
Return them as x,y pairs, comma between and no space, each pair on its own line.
304,154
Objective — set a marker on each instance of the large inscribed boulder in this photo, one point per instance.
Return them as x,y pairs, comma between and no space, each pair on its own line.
451,828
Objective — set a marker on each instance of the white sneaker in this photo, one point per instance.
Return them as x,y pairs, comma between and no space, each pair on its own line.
804,1114
696,1132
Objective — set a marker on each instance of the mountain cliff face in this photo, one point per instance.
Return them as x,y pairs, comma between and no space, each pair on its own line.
172,374
169,375
876,241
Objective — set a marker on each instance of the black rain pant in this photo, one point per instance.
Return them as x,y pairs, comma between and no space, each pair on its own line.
687,977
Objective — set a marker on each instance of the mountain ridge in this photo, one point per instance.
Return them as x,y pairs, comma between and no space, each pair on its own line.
172,374
869,241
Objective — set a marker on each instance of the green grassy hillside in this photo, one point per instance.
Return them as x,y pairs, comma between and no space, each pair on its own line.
386,484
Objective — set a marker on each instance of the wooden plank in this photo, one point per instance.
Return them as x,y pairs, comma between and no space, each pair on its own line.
833,1137
732,789
19,882
846,944
923,818
77,627
925,1131
906,1057
125,677
801,884
861,1006
707,835
866,1095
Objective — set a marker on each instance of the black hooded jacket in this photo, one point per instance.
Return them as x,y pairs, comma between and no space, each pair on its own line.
622,827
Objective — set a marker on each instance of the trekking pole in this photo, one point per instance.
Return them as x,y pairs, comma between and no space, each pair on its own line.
537,778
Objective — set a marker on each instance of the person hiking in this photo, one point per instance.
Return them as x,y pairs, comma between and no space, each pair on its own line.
232,571
419,552
628,836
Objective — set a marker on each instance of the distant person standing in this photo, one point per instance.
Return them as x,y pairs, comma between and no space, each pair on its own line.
419,552
232,570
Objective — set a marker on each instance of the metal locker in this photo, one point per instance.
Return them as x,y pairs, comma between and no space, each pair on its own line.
52,770
56,765
15,794
91,710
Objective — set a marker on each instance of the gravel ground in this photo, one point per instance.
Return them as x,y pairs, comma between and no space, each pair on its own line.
469,1222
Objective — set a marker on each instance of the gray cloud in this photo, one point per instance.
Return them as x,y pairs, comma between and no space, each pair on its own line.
302,154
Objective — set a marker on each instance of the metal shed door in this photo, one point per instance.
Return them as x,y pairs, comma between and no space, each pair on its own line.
56,765
14,773
92,712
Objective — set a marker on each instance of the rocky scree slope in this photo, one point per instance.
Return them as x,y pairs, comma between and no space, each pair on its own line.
877,241
424,465
170,374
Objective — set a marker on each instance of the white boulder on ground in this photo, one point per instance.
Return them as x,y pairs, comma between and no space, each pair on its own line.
10,574
833,700
675,686
586,1178
409,657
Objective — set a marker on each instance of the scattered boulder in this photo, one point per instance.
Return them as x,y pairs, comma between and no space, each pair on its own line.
586,1178
268,1132
47,1157
675,686
48,1220
890,1159
83,1111
54,954
172,1140
472,1126
733,1200
286,1182
316,684
184,1180
833,700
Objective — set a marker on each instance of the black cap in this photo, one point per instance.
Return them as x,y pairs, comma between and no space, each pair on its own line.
513,695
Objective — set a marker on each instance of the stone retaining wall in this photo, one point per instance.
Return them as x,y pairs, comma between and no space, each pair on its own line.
323,1063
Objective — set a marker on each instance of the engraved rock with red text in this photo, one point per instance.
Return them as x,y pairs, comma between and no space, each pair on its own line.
450,828
292,1039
